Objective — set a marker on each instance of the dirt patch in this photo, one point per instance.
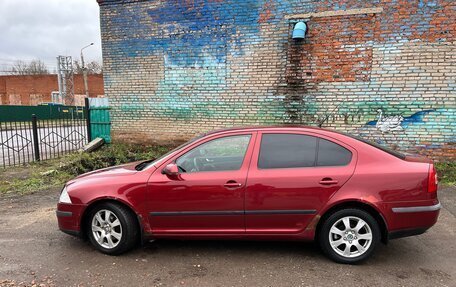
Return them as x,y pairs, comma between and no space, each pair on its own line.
14,173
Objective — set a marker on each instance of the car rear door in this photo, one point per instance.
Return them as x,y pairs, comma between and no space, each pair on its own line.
207,198
291,177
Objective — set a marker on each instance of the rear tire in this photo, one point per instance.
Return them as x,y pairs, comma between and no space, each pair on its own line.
349,236
112,228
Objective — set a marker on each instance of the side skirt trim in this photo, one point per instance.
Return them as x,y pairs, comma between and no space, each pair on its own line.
195,213
261,212
232,212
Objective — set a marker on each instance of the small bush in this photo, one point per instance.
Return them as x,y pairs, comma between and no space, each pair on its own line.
107,156
446,172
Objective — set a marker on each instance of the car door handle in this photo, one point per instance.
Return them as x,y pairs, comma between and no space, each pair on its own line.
328,181
232,184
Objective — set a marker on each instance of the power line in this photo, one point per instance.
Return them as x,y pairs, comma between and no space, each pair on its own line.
22,59
14,64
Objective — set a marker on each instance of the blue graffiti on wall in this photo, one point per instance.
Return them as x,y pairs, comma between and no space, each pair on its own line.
397,122
192,33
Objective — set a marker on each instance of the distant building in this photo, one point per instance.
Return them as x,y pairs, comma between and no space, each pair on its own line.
384,70
34,90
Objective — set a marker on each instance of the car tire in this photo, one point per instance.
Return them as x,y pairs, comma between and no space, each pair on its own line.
112,228
353,244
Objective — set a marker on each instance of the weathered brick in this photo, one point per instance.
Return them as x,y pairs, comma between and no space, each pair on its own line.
177,68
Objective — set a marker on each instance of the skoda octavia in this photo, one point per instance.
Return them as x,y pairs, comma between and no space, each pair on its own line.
262,183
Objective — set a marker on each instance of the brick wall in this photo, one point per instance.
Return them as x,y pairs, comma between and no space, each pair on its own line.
384,70
33,90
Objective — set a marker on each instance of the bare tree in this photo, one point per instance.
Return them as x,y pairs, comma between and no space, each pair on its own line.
77,68
92,67
34,67
19,68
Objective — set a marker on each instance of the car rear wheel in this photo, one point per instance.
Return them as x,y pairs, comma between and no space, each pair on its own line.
112,228
349,236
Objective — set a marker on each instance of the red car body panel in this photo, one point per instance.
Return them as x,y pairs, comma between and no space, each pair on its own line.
289,189
219,210
283,203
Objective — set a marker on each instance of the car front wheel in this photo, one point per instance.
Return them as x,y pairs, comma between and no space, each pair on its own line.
349,236
112,228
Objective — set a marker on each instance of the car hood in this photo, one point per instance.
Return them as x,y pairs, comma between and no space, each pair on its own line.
114,171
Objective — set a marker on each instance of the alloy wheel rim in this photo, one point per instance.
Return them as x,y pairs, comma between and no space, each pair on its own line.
350,236
106,229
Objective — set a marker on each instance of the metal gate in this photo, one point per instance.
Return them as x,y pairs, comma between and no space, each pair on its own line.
40,139
99,119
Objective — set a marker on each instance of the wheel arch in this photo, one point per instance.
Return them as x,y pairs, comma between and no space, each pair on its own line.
92,204
359,205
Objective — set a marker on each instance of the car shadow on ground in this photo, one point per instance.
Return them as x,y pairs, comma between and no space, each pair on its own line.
396,251
235,246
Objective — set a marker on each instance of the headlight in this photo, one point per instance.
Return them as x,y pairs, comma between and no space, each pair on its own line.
64,197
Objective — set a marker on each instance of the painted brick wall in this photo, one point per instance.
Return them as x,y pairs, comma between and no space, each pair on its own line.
384,70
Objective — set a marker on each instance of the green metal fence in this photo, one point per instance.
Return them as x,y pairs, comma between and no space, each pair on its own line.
45,112
99,118
33,133
36,139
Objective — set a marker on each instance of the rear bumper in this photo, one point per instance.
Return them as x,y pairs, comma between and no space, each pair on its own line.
69,218
410,209
411,218
406,232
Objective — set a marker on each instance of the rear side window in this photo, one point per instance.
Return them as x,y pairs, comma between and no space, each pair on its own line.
293,150
332,154
380,147
287,150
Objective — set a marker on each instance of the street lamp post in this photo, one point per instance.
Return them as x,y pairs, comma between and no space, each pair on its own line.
84,71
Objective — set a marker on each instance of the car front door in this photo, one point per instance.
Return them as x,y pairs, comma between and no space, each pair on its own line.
290,178
207,196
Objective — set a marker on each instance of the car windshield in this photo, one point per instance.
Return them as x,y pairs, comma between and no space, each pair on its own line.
157,162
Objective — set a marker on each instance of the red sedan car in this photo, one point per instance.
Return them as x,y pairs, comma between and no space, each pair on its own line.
265,183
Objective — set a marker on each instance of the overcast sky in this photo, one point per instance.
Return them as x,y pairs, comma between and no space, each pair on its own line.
44,29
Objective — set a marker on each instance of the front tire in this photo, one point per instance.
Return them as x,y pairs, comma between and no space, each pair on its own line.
349,236
112,228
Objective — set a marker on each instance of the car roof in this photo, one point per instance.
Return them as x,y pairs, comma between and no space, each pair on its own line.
349,139
289,127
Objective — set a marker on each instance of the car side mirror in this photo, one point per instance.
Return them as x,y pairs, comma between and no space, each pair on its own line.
171,170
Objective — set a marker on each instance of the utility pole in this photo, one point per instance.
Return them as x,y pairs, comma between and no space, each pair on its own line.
84,71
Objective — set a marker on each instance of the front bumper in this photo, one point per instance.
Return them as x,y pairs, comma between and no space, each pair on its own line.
69,217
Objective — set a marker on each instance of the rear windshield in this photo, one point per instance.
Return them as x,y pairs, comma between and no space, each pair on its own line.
380,147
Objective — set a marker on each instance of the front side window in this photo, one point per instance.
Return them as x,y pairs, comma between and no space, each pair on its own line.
287,151
216,155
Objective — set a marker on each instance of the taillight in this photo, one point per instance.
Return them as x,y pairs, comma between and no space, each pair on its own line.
432,180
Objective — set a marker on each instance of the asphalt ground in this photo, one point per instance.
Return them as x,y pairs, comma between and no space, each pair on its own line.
33,251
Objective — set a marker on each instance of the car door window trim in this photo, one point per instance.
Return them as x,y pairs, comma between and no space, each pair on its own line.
317,151
249,135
